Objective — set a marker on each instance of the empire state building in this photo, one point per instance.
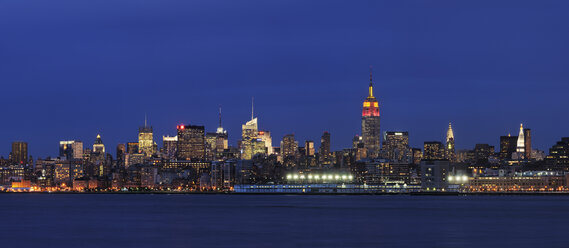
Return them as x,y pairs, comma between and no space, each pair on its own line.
370,123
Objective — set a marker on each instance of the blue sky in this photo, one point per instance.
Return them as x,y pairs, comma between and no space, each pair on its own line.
72,69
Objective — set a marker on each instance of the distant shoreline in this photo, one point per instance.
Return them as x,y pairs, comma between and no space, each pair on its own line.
307,194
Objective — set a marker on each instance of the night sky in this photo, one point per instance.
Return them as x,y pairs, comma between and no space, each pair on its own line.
72,69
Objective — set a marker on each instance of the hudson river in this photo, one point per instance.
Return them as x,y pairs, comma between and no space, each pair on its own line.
132,220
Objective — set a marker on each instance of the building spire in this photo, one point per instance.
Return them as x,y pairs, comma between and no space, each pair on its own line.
145,120
450,133
252,107
220,115
370,81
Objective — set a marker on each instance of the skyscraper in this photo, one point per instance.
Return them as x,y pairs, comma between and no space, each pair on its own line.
249,136
521,144
265,136
71,149
98,146
396,147
527,142
19,152
507,146
169,146
289,146
324,152
433,150
146,140
191,142
449,146
370,122
309,146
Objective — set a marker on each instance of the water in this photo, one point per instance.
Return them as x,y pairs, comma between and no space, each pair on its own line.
106,220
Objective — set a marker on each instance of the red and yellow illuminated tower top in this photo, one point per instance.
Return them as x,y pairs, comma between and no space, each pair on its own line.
371,105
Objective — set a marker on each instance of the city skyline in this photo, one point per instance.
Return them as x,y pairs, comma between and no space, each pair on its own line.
431,67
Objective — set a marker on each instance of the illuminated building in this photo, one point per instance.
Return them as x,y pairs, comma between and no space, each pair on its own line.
521,146
265,136
449,146
324,152
191,143
289,146
309,148
19,153
121,151
169,146
132,147
217,142
396,147
248,137
433,150
146,140
370,123
417,155
71,149
98,146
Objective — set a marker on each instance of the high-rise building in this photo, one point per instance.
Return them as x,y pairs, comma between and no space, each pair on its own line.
449,146
217,142
98,146
71,149
121,151
132,148
527,143
289,146
324,152
559,155
370,123
433,150
396,146
146,140
169,146
309,148
266,138
248,136
191,142
482,153
507,146
19,153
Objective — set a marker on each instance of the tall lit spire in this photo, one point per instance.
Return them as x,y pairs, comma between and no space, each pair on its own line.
145,120
521,140
370,82
219,115
450,133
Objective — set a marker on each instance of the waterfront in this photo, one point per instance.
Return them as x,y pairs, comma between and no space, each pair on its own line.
146,220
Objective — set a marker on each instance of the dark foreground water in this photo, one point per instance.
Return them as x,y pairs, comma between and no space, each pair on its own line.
105,220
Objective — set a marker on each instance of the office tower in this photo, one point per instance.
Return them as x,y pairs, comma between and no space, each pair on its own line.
19,152
98,146
396,146
71,149
324,152
132,147
121,151
482,152
434,175
249,136
222,137
417,155
309,148
449,146
191,142
433,150
370,122
527,143
559,155
289,146
169,146
507,146
265,136
146,140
